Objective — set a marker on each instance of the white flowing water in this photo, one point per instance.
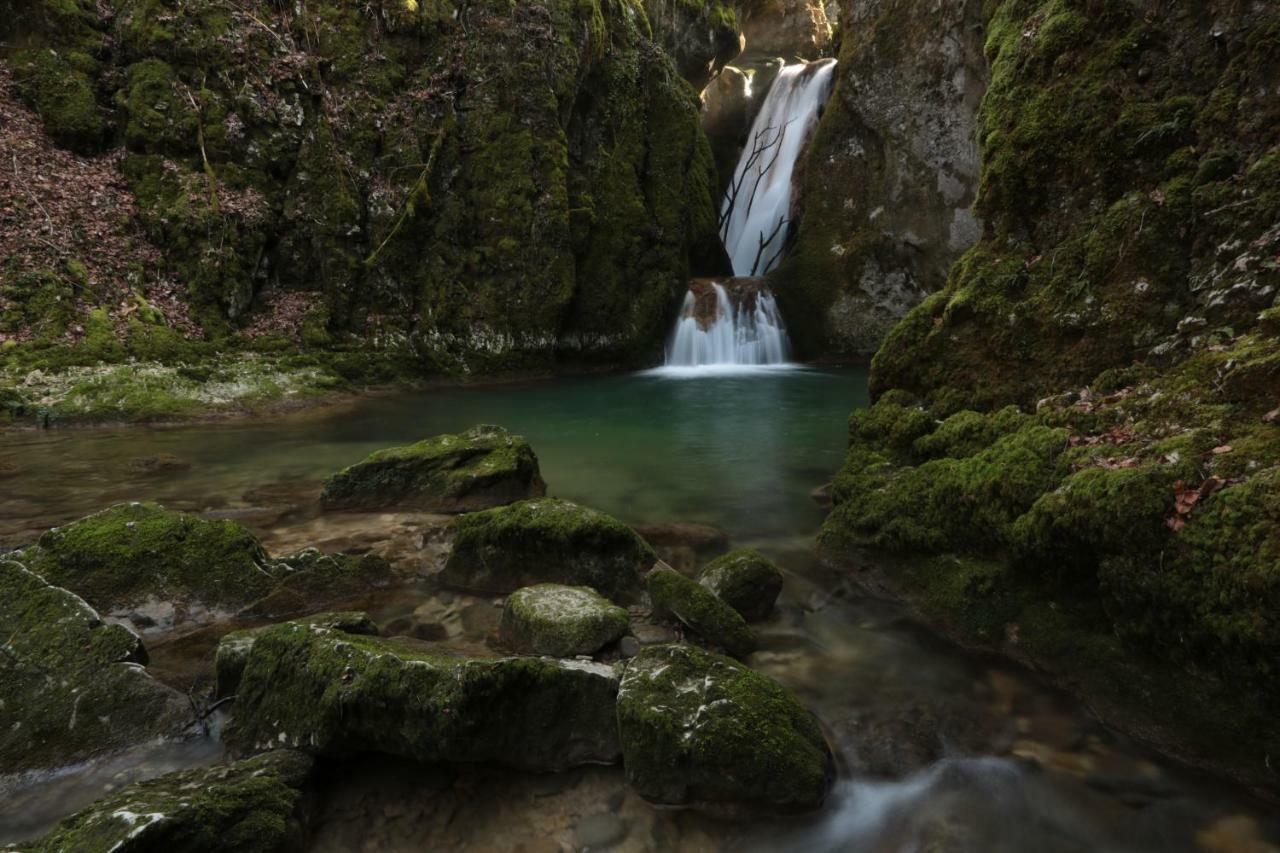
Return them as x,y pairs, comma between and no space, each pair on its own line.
737,335
756,212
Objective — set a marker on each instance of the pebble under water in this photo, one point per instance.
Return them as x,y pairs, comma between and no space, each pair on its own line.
939,751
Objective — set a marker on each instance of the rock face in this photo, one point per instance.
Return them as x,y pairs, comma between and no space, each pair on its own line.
795,29
255,805
546,540
891,174
74,686
1110,348
483,185
701,35
155,566
698,608
334,693
746,580
483,467
561,621
698,728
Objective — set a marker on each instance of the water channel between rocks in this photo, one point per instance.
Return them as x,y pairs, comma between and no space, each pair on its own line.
938,751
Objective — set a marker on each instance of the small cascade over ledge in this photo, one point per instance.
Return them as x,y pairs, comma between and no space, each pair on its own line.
736,323
730,323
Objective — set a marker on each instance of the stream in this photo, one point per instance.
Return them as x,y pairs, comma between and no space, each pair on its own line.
938,750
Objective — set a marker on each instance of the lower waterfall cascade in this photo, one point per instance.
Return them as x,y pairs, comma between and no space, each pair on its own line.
747,333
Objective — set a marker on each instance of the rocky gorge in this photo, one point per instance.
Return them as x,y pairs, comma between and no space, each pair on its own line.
1036,607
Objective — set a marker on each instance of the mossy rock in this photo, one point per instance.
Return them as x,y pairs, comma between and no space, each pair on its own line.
140,556
252,806
561,621
334,693
74,686
701,729
478,469
746,580
233,649
546,541
712,619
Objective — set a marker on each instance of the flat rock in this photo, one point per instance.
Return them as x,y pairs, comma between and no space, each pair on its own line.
561,621
698,728
501,550
484,467
333,693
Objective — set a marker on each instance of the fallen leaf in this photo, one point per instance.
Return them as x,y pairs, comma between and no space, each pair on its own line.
1221,449
1271,417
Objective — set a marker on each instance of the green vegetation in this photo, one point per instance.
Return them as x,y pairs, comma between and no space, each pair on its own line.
561,621
699,608
746,580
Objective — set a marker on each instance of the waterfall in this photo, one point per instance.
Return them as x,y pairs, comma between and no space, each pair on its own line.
715,329
738,326
756,212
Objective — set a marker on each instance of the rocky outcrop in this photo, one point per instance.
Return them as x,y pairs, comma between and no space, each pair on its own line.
252,806
546,541
561,621
478,469
74,686
233,648
1075,443
333,693
676,596
702,36
794,29
746,580
485,186
891,174
701,729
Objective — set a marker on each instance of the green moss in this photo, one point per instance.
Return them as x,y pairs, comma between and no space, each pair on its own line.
40,302
697,607
60,87
483,467
233,648
698,728
545,540
746,580
125,555
561,621
336,693
256,805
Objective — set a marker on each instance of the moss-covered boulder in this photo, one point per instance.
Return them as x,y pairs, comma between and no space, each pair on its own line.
746,580
701,729
252,806
334,693
233,648
483,467
73,686
153,565
701,610
561,621
546,540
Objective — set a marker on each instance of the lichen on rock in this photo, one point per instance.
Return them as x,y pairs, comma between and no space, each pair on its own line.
561,621
480,468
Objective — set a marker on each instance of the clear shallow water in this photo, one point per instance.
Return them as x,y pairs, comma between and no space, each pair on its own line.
938,751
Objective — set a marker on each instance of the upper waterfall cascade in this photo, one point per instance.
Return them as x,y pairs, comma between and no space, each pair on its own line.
717,329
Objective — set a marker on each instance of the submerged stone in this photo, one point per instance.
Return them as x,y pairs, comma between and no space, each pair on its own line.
154,566
697,607
498,551
683,545
233,648
73,686
311,579
746,580
701,729
251,806
334,693
561,621
483,467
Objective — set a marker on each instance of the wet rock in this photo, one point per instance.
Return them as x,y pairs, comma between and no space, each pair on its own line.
629,647
501,550
310,580
701,36
746,580
233,649
561,621
253,805
683,546
335,693
697,607
701,729
484,467
793,28
159,463
600,831
726,118
73,686
159,566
